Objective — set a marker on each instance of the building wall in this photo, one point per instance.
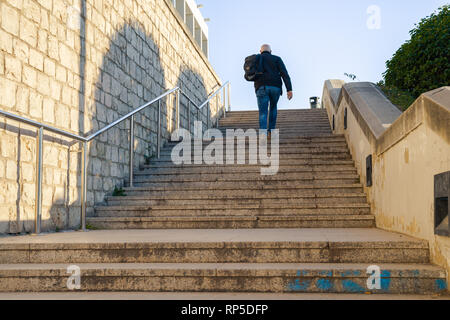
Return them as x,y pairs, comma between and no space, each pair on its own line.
79,65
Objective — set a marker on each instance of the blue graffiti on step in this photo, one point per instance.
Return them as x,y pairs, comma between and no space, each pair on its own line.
299,285
352,287
385,280
324,285
441,285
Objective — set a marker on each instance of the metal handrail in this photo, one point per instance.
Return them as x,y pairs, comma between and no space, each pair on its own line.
88,139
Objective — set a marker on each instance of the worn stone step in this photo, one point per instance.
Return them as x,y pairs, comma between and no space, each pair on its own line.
282,126
290,126
298,133
286,194
283,144
280,118
254,177
154,163
227,175
235,202
276,278
283,147
305,126
302,139
211,211
243,193
242,169
234,222
213,170
281,157
216,246
245,185
280,151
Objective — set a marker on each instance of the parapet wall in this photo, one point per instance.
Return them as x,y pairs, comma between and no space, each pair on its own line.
408,150
79,65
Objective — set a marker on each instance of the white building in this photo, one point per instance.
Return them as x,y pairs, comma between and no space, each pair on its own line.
195,22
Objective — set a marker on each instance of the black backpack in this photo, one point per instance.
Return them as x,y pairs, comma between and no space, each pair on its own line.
253,67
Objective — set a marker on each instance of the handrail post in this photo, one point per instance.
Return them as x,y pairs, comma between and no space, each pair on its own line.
131,150
224,108
198,114
83,184
207,115
218,102
38,209
189,115
159,130
177,95
229,97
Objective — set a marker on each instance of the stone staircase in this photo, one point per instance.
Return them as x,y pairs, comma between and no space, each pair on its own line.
199,228
316,186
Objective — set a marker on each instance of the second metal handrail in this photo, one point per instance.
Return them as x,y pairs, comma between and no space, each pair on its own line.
86,140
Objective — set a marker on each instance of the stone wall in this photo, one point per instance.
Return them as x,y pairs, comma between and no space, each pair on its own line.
78,65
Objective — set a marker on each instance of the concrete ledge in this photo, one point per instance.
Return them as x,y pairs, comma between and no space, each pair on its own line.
432,107
373,110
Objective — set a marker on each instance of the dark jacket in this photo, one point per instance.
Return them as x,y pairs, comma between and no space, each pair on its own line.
274,70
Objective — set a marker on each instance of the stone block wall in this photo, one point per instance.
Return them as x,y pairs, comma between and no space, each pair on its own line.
79,65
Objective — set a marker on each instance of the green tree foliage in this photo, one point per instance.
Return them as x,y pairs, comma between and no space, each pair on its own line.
423,63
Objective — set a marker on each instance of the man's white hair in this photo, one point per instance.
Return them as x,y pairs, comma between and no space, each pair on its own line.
266,47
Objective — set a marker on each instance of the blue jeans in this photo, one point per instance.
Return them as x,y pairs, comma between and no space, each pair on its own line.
268,95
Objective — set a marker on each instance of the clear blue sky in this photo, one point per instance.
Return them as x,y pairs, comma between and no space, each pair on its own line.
317,39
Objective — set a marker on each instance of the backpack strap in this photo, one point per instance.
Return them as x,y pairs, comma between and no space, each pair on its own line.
261,64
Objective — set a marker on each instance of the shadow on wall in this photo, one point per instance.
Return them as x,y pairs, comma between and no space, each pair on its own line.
131,74
193,85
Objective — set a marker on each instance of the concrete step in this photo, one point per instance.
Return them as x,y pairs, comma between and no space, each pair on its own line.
280,151
300,156
144,193
154,163
205,178
224,190
242,169
238,201
304,139
275,278
299,133
143,176
292,126
251,169
255,195
281,125
283,128
236,211
328,245
244,185
283,144
233,222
